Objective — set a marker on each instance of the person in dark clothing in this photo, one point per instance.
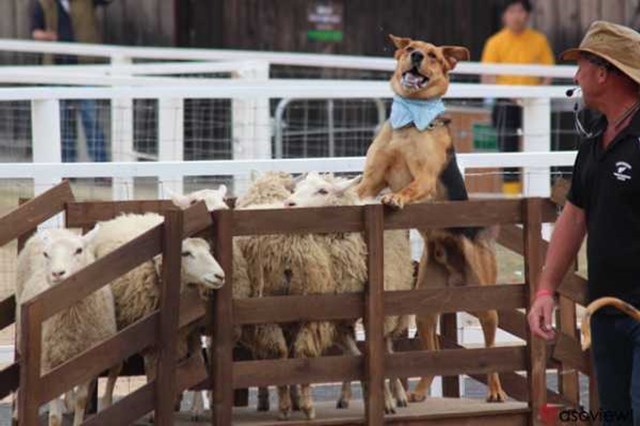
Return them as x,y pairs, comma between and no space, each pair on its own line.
72,21
604,204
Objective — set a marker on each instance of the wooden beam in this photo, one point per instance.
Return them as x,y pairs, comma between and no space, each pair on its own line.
99,273
222,346
127,410
30,356
374,316
9,379
298,370
7,311
567,350
455,213
456,361
537,356
291,221
454,299
167,330
574,287
297,308
35,211
92,362
86,214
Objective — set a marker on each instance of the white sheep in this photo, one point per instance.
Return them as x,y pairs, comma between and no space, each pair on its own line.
214,199
51,257
137,293
265,341
348,260
286,264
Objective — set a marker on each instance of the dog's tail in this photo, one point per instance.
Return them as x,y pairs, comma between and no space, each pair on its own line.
597,304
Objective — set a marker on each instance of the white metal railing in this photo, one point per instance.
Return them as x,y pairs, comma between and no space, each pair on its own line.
275,58
249,92
250,113
167,172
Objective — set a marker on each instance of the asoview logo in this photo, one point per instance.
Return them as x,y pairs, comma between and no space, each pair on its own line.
551,414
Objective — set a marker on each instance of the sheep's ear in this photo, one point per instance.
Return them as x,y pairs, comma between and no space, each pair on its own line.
91,235
222,189
157,264
179,200
300,178
348,184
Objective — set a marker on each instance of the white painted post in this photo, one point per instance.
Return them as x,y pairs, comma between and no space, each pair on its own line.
251,129
537,137
170,141
121,133
47,145
47,148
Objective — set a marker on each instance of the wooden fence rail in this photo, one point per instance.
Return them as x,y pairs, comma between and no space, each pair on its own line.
375,364
520,221
18,222
159,329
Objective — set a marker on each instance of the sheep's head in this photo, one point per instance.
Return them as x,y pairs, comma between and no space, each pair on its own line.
273,177
321,191
65,253
213,198
199,267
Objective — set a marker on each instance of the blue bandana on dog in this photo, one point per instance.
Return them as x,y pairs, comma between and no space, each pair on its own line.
420,112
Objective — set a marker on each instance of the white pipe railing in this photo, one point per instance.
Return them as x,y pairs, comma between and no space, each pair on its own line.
276,89
274,58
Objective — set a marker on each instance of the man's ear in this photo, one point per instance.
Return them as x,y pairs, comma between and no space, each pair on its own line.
399,42
454,54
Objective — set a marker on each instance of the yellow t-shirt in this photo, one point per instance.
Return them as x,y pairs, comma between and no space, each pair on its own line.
528,47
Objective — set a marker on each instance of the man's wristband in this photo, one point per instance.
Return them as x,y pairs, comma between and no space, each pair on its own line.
545,292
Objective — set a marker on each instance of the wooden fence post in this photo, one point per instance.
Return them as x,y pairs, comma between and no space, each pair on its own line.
30,355
374,316
168,322
536,348
222,327
449,331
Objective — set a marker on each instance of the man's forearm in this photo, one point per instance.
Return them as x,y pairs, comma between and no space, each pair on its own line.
565,243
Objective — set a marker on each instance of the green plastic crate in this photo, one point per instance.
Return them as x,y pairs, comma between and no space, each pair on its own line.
484,137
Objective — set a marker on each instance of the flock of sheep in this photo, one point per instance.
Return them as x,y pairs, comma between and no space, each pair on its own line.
270,265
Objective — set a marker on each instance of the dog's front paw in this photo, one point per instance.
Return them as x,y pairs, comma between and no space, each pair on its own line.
395,201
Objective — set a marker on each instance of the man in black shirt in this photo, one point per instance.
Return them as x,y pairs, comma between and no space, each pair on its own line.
604,203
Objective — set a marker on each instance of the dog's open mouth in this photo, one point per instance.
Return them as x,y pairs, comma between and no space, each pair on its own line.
412,79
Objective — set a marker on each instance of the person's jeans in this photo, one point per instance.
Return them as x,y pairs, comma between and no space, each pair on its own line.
616,353
92,130
96,146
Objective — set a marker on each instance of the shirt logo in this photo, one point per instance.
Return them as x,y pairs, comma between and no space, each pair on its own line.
623,171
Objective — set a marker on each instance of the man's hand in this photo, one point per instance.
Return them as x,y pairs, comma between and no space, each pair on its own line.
42,35
540,317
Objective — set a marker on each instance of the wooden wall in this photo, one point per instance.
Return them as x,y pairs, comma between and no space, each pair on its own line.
282,24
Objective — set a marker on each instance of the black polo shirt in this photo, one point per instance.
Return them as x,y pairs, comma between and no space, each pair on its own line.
606,185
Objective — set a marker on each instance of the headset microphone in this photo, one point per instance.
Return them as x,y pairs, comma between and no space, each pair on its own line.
569,93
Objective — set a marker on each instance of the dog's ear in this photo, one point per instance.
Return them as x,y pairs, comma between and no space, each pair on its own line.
454,54
399,42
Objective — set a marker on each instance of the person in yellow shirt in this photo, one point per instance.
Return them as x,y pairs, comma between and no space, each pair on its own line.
516,43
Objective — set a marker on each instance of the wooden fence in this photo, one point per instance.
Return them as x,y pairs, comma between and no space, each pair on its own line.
520,221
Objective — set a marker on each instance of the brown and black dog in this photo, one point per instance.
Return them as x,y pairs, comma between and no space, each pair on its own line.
417,163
